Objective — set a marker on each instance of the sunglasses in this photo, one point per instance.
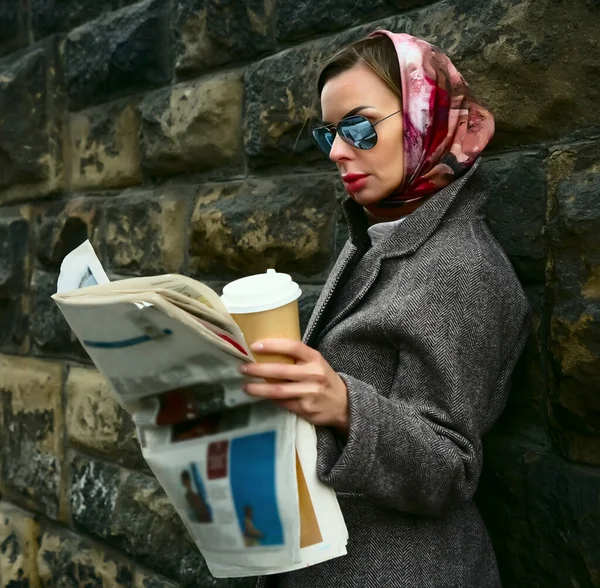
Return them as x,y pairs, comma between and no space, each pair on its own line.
358,131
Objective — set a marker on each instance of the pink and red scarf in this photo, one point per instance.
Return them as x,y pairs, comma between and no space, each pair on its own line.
445,126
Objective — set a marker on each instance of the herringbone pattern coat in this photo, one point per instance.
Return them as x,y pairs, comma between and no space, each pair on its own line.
425,328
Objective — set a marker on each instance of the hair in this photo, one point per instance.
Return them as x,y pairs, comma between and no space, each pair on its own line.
376,52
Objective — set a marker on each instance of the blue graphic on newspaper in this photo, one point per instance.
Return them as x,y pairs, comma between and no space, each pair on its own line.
252,479
126,342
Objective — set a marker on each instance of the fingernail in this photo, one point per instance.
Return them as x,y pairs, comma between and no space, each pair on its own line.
243,369
256,346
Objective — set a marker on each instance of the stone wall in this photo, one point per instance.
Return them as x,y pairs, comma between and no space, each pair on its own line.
173,135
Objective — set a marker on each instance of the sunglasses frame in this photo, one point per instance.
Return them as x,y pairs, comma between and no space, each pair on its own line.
333,127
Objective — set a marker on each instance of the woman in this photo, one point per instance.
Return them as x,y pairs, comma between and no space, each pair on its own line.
407,358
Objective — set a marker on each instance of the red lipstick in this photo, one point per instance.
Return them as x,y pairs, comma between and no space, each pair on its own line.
354,182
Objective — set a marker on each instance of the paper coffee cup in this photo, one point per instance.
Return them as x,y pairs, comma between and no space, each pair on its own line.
265,306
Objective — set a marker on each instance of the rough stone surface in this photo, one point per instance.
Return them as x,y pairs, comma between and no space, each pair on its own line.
50,332
298,19
516,210
526,412
60,227
544,517
52,16
575,273
146,579
281,105
14,279
31,124
306,304
124,51
13,26
69,561
19,536
31,448
250,226
210,33
93,490
145,231
95,421
192,127
105,149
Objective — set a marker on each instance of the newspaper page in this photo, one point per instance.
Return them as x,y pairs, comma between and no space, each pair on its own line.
81,268
235,488
241,472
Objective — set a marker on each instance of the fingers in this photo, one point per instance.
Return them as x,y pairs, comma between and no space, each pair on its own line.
282,371
281,391
296,349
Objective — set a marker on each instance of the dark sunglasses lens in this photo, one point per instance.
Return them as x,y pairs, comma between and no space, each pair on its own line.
358,132
324,138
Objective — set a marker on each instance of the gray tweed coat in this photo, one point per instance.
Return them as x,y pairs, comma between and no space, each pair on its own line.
425,328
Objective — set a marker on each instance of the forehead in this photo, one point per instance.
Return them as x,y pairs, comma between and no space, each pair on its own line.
356,86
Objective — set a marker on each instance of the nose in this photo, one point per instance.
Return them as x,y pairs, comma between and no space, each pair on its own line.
340,150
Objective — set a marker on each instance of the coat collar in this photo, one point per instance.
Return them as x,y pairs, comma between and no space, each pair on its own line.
457,200
450,202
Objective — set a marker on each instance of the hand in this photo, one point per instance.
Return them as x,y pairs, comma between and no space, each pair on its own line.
311,388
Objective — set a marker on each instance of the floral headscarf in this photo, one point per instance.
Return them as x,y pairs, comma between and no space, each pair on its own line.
445,126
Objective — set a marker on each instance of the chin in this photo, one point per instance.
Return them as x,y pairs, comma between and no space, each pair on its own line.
366,197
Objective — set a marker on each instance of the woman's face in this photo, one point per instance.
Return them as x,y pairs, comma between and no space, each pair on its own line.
369,175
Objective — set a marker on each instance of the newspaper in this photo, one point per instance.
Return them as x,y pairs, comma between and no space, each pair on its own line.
240,472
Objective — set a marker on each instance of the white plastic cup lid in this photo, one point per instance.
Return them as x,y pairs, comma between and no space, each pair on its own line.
260,292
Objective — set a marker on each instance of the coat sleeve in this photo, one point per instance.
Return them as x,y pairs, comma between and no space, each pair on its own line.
419,449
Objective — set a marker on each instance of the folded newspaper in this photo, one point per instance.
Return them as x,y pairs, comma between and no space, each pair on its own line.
241,473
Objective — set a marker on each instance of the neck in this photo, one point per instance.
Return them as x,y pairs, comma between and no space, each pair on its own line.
404,210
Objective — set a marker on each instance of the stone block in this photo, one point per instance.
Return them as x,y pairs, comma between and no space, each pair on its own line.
282,105
49,330
93,490
121,52
94,420
301,19
574,186
58,16
13,26
543,516
516,210
62,226
210,33
19,537
105,149
68,560
31,448
192,127
146,579
14,279
247,227
31,102
145,231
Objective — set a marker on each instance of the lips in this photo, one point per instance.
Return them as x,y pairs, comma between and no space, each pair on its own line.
354,182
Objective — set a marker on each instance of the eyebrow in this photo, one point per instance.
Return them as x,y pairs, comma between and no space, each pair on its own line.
350,113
